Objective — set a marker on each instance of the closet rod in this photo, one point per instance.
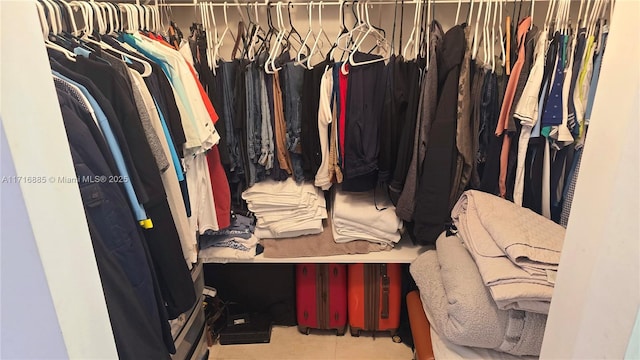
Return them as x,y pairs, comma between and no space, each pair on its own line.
306,3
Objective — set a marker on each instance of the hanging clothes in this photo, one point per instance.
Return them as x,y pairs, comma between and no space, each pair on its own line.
426,113
364,103
504,119
432,202
464,131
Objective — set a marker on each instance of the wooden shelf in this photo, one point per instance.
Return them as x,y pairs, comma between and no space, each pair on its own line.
404,252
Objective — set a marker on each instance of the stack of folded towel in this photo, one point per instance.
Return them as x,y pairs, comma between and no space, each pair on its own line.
517,251
286,209
365,216
460,308
236,242
490,284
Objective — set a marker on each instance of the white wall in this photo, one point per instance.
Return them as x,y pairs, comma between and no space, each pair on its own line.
38,146
597,293
25,301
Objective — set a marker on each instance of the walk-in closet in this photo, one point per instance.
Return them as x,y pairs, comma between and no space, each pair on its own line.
366,180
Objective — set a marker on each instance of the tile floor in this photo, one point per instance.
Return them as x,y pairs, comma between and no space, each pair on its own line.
288,344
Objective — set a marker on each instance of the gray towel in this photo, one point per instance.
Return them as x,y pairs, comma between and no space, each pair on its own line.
516,250
461,309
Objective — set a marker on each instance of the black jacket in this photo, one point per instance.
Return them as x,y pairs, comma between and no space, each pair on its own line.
432,199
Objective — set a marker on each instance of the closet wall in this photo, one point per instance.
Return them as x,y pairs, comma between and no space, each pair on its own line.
597,294
44,231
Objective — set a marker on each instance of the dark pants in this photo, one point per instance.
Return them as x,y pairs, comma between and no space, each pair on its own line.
365,100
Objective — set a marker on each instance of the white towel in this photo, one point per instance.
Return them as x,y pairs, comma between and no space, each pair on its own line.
517,251
362,216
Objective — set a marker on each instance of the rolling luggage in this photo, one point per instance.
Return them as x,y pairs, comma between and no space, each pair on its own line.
374,298
321,297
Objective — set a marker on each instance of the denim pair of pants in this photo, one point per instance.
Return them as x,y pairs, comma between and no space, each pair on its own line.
293,81
254,123
228,73
267,146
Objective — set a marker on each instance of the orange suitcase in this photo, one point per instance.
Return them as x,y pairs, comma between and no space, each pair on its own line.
420,328
374,298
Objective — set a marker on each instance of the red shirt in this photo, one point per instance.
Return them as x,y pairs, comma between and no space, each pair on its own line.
342,122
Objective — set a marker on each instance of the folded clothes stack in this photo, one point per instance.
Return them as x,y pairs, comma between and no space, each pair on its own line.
365,216
517,251
286,209
236,242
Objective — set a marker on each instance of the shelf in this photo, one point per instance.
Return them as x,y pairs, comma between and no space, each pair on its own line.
404,252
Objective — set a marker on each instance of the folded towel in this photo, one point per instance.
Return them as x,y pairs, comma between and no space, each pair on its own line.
461,309
279,231
527,238
365,208
516,250
362,216
321,244
345,231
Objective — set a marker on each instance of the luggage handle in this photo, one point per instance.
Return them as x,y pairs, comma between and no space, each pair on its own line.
385,291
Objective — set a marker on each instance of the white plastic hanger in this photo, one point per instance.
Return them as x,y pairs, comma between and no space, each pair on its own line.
486,38
309,34
47,24
500,39
493,37
380,40
273,53
427,27
212,40
474,50
547,19
458,12
44,24
343,33
255,39
51,19
413,31
106,10
56,16
321,33
226,31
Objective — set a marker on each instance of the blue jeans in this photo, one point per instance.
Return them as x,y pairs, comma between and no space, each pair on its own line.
228,71
293,80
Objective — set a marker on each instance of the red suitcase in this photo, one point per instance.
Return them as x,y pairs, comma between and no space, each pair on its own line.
321,297
374,298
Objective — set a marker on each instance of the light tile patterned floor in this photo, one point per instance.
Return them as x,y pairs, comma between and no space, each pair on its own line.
288,344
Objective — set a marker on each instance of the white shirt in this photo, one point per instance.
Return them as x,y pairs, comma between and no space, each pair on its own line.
527,112
324,119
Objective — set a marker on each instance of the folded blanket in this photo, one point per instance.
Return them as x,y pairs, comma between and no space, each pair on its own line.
517,251
461,309
316,245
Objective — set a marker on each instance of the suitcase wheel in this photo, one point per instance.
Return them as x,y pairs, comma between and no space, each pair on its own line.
341,332
396,339
355,332
303,330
